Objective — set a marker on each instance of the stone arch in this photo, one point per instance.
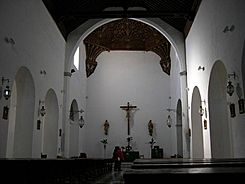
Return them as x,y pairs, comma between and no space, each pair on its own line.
74,129
21,121
196,122
243,66
50,127
179,129
220,135
173,36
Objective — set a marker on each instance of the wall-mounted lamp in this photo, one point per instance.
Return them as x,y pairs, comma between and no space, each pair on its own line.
201,68
7,91
69,74
43,72
201,109
169,121
232,75
229,29
9,40
81,121
41,108
230,88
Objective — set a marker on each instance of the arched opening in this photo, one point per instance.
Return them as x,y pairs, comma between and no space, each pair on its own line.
74,129
196,122
243,65
22,102
50,138
219,127
179,49
179,129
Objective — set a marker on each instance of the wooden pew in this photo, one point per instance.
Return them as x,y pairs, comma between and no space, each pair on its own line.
45,171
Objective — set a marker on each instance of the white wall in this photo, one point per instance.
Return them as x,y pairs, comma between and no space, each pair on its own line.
38,46
207,43
122,77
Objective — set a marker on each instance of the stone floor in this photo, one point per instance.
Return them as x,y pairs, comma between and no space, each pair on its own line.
115,177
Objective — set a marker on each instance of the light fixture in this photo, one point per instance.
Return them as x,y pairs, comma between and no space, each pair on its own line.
227,29
41,108
230,88
81,122
9,40
201,109
7,91
201,68
43,72
169,121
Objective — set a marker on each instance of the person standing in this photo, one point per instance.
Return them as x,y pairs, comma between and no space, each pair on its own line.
117,157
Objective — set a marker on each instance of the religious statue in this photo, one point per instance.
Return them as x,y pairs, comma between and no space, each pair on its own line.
106,127
150,127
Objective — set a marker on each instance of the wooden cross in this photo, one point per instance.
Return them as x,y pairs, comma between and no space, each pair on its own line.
128,108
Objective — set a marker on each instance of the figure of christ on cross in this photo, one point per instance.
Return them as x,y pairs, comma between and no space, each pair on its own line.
128,108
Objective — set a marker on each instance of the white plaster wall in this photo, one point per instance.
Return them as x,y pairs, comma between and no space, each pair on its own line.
38,46
207,43
122,77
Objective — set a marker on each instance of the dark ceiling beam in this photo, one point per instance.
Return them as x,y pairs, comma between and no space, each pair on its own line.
130,14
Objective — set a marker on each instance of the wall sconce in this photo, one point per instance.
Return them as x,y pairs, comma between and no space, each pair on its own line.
7,91
169,121
69,74
227,29
201,68
230,88
43,72
41,108
9,40
81,121
201,109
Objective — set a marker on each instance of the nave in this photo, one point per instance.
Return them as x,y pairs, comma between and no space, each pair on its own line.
100,171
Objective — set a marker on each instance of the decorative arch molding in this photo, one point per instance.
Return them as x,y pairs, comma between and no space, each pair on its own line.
126,34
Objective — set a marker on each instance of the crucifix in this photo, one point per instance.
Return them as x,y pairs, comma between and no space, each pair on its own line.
128,108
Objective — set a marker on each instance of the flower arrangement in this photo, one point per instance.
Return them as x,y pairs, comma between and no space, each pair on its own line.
152,142
104,141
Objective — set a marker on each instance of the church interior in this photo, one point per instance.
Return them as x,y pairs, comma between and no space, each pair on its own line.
163,80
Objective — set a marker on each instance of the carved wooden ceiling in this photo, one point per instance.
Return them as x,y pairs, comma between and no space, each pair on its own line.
126,34
70,14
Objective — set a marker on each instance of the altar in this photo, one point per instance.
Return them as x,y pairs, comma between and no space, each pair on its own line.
130,156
